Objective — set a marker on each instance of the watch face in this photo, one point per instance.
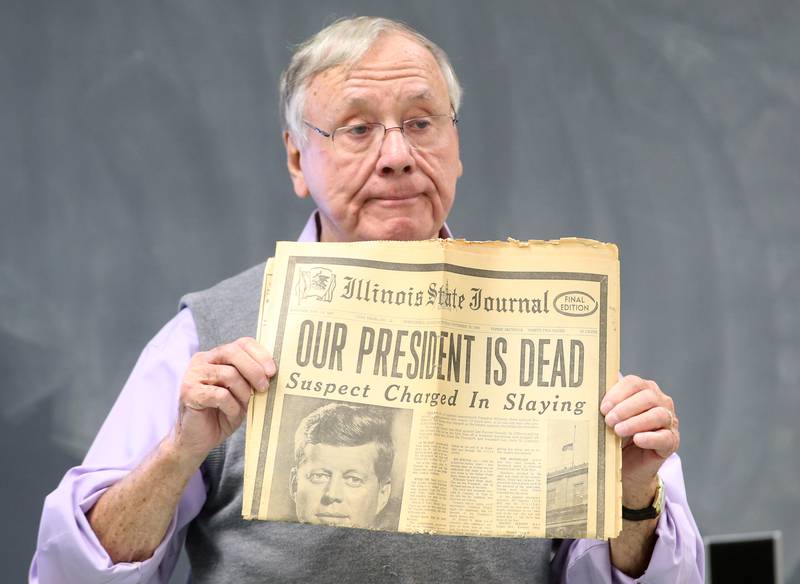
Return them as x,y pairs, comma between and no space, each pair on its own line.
659,502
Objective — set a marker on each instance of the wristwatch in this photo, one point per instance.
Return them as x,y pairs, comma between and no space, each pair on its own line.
650,512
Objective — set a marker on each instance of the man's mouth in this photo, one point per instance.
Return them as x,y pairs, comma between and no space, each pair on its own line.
333,518
392,199
409,195
396,194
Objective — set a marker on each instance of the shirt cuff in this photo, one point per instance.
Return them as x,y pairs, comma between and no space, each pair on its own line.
590,560
75,551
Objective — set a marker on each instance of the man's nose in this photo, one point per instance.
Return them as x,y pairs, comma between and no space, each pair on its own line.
395,154
333,491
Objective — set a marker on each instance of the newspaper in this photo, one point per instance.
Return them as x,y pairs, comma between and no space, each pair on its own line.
442,386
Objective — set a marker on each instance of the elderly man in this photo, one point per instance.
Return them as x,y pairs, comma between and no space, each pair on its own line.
343,466
370,110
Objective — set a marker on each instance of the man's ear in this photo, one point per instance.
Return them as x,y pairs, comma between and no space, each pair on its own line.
294,164
293,483
383,496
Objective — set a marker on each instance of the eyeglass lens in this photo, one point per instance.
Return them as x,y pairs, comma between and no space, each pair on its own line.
421,133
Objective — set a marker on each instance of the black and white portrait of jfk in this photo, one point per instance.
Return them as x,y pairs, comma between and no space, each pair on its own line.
343,457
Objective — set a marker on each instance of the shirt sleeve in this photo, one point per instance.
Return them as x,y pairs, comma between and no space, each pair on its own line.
677,556
67,549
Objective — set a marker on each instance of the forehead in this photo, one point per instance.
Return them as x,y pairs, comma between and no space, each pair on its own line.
341,458
397,71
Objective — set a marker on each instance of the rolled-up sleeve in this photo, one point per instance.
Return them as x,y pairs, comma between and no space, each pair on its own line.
67,548
677,555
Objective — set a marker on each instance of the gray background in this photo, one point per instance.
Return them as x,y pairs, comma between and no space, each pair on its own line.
140,157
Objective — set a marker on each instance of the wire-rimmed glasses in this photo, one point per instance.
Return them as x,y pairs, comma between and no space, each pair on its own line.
421,133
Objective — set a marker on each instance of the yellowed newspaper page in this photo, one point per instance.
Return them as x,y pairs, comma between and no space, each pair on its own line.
256,408
442,386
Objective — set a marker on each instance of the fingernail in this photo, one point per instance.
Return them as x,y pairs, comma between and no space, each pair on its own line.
612,419
269,368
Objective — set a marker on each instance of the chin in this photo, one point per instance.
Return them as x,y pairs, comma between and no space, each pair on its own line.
405,229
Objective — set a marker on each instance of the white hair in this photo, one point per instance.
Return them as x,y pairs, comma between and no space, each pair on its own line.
344,43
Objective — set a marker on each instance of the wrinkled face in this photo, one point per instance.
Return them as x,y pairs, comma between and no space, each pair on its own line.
394,191
337,485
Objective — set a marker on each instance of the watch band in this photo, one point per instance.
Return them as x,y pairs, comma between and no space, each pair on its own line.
651,511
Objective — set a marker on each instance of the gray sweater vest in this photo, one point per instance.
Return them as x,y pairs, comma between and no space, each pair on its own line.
223,547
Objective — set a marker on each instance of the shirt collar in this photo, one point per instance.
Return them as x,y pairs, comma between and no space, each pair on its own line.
311,230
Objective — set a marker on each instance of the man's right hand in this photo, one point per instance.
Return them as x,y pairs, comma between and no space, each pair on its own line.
131,518
215,392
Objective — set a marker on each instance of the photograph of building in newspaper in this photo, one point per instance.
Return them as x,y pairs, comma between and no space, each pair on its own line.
567,478
340,463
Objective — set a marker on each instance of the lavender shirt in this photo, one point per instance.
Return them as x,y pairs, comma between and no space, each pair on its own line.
145,412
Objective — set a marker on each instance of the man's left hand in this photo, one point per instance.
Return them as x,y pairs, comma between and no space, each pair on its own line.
644,417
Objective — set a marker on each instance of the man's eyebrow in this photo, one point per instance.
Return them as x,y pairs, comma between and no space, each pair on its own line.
356,102
424,95
360,102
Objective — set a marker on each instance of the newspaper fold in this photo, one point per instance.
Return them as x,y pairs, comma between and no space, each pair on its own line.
443,386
